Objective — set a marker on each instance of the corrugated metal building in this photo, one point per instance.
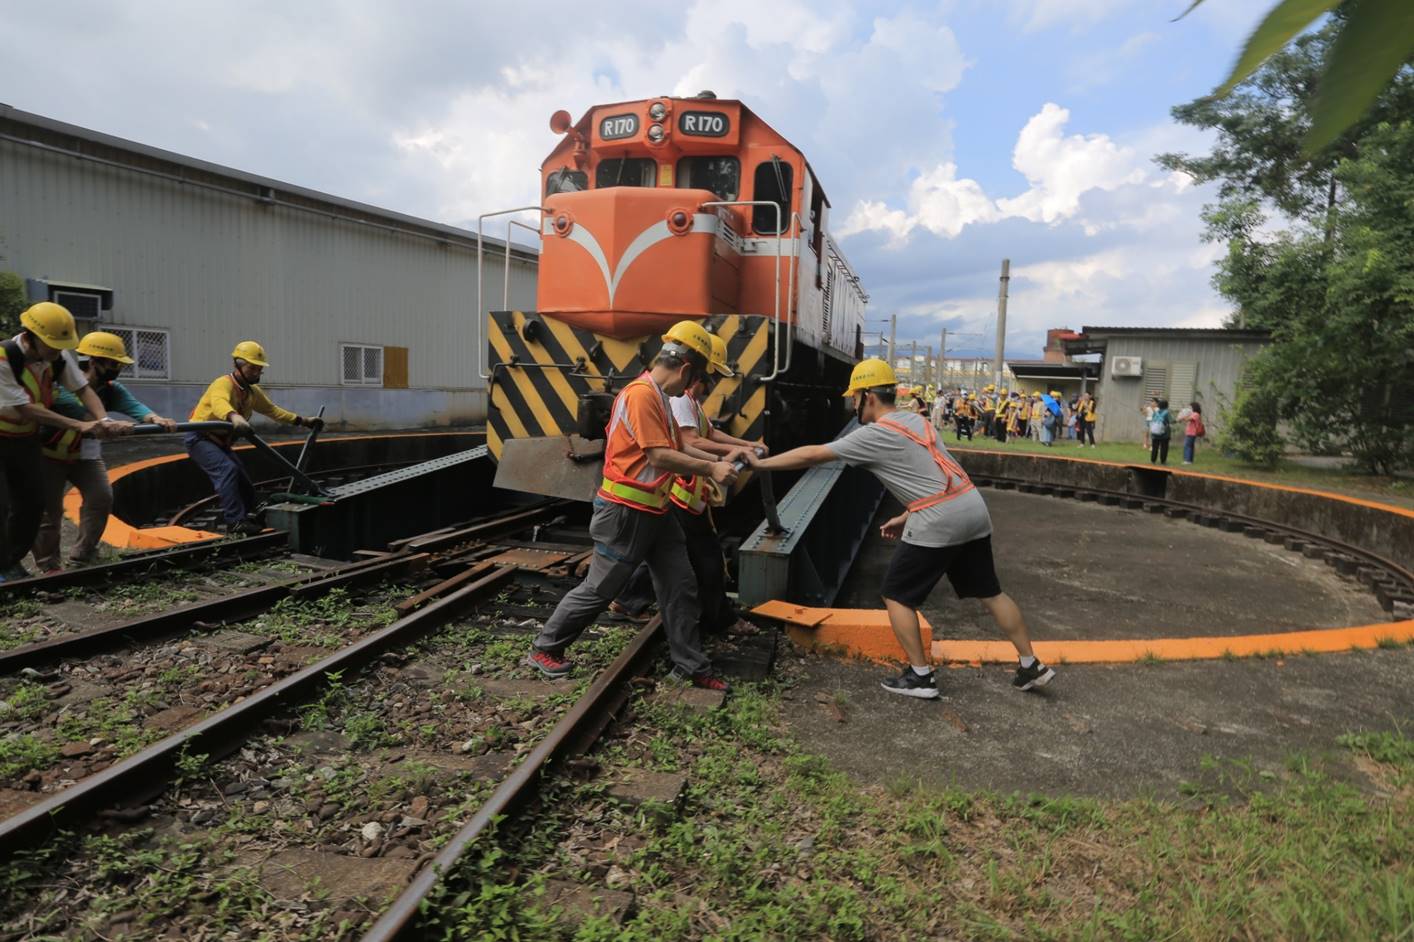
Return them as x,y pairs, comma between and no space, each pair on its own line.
367,311
1181,365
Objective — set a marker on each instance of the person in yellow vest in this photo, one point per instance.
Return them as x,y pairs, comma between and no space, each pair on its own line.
945,528
234,398
643,455
39,358
987,410
72,457
999,421
1085,423
966,413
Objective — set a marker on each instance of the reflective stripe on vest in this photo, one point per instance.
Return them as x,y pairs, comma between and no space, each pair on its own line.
690,493
41,392
61,444
950,469
650,496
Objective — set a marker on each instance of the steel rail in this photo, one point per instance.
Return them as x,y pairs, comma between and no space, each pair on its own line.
228,608
440,540
573,734
181,516
177,557
150,771
1373,559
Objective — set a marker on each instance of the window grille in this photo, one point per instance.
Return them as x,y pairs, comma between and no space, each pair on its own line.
362,364
1156,381
151,350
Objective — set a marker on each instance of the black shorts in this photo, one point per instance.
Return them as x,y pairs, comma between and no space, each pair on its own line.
915,570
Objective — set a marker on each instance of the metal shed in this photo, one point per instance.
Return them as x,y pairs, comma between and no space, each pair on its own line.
1178,364
365,310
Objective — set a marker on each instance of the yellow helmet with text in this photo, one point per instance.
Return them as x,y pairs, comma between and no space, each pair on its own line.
719,357
100,343
51,323
251,352
870,374
691,336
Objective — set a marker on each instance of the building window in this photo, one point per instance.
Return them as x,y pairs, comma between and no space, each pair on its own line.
151,350
566,180
363,365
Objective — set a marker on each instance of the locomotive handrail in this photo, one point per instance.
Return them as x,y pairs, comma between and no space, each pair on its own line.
506,274
776,353
480,282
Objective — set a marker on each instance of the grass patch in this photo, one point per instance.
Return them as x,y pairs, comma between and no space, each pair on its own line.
1355,483
775,844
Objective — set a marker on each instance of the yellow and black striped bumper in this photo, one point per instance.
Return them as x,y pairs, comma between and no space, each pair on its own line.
540,367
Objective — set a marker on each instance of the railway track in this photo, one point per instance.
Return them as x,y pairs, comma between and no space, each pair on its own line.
1392,583
311,750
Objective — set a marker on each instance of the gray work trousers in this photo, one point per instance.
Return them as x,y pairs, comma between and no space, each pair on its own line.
623,538
91,478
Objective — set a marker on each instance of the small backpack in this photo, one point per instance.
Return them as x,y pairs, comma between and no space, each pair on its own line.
1159,424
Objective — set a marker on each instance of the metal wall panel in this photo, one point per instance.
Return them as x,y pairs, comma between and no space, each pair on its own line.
215,268
1216,363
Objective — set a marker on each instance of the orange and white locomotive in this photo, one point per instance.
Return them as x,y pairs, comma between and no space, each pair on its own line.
671,208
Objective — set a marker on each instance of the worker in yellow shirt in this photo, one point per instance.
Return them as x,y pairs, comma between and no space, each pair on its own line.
232,398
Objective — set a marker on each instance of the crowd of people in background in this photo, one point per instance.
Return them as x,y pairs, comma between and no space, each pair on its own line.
1047,417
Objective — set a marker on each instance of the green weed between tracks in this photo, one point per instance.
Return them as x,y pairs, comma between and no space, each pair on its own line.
774,844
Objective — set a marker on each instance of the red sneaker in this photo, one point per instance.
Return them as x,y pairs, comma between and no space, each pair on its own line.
710,682
551,665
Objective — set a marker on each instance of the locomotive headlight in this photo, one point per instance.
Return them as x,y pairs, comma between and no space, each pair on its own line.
655,133
657,111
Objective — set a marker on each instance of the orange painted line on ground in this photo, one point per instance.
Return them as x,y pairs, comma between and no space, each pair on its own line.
866,633
1289,488
122,535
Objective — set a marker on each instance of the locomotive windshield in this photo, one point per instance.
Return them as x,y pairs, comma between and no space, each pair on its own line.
626,171
566,180
721,175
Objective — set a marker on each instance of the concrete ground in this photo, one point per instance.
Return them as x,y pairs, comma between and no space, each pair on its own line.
1082,571
1089,572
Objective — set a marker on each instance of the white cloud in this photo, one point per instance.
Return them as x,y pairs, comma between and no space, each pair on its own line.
1060,169
1036,15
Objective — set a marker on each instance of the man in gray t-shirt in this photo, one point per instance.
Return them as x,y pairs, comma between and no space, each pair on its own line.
945,527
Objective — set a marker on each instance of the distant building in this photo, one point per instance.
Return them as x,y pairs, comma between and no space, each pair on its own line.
1181,365
365,310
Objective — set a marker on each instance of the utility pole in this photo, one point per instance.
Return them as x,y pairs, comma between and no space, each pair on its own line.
942,356
912,362
928,366
893,333
1001,324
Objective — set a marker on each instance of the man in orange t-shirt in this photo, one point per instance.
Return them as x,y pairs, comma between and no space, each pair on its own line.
631,523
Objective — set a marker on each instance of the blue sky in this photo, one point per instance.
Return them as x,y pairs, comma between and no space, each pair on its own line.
947,135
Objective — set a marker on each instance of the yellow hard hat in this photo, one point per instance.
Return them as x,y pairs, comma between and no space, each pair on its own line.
718,360
972,397
693,336
1055,394
989,387
100,343
251,352
51,323
1036,394
869,374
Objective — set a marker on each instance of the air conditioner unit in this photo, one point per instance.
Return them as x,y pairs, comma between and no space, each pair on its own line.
1126,366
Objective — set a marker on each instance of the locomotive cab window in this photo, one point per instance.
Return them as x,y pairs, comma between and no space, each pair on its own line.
773,183
566,180
721,175
626,171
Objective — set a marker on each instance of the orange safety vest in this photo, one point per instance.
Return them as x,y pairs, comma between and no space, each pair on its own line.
647,494
690,493
958,483
40,389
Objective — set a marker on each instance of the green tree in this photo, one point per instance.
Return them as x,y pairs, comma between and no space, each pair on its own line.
1320,250
12,303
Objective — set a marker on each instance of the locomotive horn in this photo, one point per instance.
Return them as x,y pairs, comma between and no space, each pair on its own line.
560,121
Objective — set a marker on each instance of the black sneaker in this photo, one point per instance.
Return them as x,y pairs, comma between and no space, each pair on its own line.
909,684
1029,678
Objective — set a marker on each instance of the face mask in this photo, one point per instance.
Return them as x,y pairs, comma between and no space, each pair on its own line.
859,410
107,373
